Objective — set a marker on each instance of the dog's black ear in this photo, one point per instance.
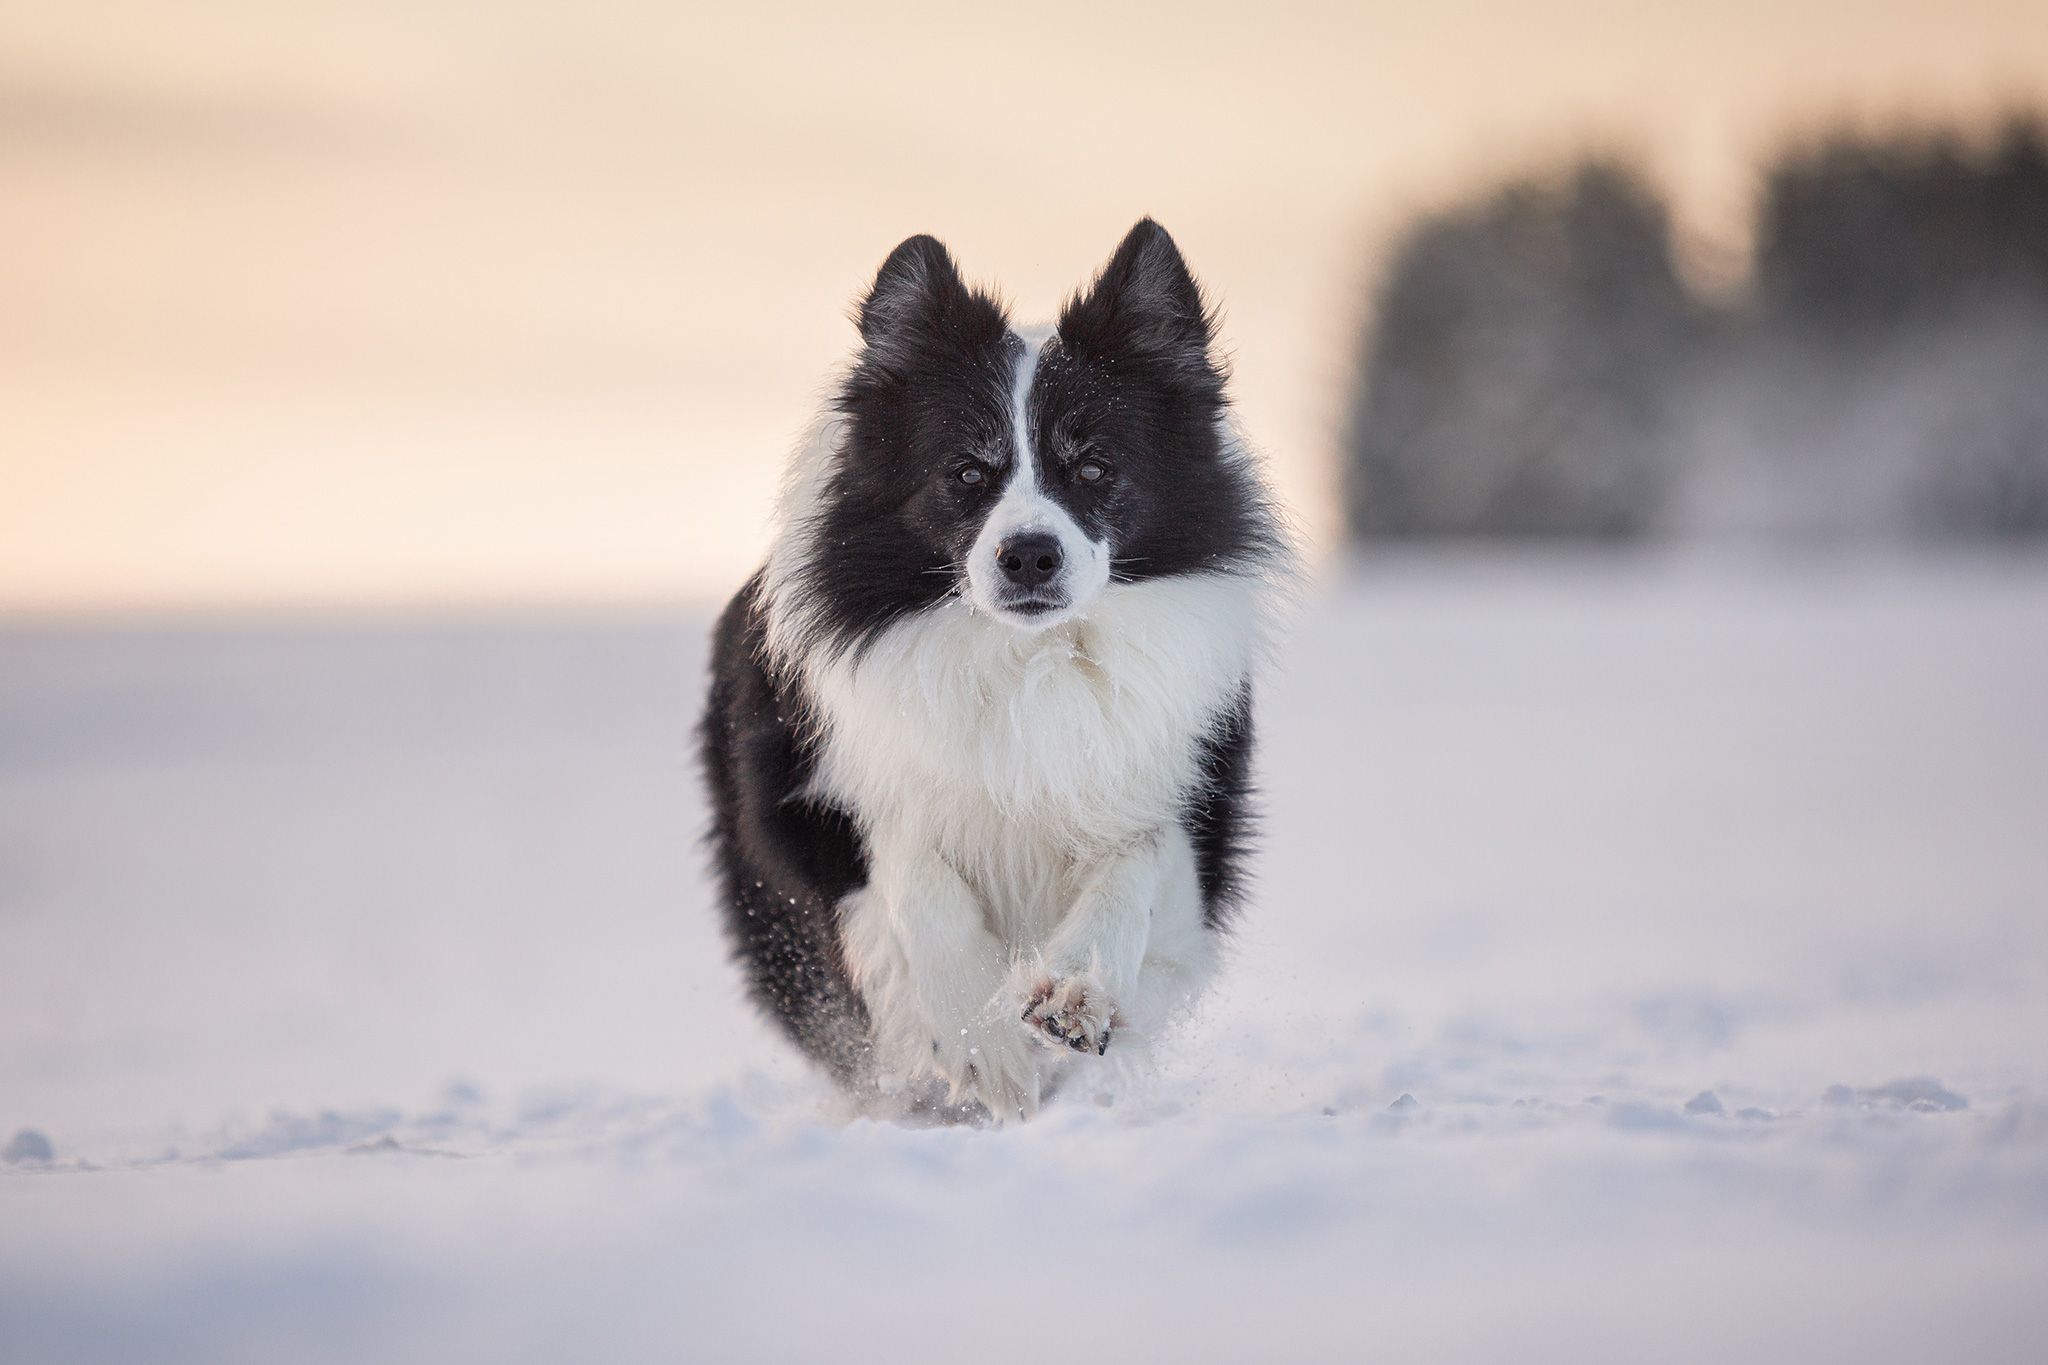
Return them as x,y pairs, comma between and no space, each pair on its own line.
917,288
1143,302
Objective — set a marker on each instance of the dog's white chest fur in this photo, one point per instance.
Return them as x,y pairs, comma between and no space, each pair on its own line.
1019,757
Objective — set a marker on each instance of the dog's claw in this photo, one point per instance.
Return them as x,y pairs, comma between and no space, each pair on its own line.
1074,1036
1052,1028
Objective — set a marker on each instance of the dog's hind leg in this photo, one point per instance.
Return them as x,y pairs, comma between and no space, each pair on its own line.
1180,951
783,863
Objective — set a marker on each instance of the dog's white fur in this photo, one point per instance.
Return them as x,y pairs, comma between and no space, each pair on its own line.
1019,786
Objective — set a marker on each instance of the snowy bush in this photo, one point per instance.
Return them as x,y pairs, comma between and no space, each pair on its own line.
1512,385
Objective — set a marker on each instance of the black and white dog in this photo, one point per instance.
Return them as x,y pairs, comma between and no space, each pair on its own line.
979,731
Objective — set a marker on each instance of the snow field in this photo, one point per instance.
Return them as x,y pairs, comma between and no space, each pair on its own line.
1647,962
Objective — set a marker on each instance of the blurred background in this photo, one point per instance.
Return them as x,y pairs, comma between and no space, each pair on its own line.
319,305
1649,929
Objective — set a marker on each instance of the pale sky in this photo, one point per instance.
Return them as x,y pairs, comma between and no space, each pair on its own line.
438,303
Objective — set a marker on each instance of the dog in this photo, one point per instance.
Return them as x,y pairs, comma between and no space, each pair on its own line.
979,734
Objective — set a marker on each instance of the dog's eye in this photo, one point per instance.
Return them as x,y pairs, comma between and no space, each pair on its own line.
971,474
1089,472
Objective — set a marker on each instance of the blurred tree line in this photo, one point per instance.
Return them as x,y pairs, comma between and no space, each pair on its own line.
1536,367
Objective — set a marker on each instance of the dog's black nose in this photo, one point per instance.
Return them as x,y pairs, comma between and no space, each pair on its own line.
1029,559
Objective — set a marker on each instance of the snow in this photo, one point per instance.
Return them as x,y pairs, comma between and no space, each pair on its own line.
1647,962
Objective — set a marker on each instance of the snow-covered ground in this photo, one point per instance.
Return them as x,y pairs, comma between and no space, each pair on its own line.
1649,962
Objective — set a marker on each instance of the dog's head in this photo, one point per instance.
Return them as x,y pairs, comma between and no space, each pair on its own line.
1024,471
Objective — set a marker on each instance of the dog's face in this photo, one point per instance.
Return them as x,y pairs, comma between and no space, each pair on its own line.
1026,472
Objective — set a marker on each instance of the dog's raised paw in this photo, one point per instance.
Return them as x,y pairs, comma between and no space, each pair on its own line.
1073,1012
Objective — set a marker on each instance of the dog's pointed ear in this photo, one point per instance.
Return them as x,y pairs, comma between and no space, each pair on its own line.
1144,301
916,286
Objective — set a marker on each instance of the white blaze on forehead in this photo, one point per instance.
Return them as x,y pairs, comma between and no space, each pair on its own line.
1084,570
1026,470
1023,480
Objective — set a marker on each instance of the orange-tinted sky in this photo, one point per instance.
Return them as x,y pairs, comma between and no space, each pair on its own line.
438,302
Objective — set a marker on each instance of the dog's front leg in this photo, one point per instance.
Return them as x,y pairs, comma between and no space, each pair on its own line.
932,974
1071,994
